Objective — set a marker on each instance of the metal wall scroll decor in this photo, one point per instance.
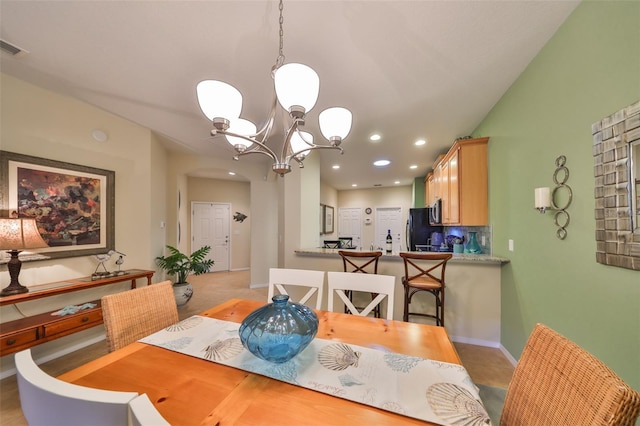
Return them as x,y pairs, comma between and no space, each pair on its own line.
561,217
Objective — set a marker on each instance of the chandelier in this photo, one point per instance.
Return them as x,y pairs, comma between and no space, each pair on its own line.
296,88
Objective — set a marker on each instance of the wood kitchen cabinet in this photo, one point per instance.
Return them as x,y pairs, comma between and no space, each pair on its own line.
463,183
429,196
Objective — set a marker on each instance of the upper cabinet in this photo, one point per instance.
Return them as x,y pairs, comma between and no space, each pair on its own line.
428,189
461,182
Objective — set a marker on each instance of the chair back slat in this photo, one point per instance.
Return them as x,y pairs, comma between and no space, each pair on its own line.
382,285
433,266
281,279
360,261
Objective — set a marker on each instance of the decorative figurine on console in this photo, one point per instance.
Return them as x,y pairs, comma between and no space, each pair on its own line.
102,258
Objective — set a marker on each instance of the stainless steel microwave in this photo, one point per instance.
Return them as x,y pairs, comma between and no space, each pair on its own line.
435,213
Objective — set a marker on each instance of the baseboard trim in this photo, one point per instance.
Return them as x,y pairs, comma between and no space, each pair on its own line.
510,357
477,342
239,269
57,354
259,285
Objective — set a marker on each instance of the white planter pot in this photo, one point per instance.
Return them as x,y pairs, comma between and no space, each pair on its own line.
182,292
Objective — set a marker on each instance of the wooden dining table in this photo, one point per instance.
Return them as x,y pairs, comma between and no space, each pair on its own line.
192,391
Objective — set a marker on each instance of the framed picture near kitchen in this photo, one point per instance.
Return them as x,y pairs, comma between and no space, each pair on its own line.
73,205
327,227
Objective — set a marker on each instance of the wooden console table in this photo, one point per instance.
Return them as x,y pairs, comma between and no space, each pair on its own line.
30,331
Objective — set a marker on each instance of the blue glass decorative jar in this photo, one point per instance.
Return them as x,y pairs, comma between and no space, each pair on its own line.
280,330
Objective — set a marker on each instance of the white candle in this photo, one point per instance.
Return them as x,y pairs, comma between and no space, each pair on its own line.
542,198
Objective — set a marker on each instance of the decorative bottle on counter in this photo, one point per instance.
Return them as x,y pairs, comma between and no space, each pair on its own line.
389,242
472,245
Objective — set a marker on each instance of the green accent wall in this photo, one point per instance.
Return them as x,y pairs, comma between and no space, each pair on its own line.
418,192
588,70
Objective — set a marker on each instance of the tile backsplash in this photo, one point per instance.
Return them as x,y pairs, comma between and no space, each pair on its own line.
483,234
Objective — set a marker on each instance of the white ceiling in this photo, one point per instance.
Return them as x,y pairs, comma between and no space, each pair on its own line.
406,69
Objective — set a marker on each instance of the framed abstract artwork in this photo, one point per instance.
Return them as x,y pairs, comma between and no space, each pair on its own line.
73,204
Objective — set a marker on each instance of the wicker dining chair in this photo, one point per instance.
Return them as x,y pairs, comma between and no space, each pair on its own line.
131,315
556,382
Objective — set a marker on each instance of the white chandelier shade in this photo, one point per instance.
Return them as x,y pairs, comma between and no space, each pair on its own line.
295,88
335,123
296,84
242,127
218,99
300,141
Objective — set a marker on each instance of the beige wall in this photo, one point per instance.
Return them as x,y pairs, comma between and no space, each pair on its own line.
397,196
263,188
238,194
41,123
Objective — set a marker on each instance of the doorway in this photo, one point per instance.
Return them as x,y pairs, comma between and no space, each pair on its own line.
389,218
350,224
210,226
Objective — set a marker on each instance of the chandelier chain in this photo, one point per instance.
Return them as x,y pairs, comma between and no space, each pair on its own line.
280,58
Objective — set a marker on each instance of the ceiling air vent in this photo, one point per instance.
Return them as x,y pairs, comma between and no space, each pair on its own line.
12,49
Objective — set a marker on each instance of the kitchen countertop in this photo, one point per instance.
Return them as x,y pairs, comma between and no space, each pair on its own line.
457,257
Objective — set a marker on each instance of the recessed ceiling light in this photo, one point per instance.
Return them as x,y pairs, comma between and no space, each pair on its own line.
375,137
420,142
335,166
354,185
381,163
232,173
413,166
397,182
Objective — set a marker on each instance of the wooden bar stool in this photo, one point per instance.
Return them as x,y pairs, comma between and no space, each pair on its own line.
364,262
425,272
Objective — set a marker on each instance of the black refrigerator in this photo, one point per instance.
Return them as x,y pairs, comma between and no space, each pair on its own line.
419,231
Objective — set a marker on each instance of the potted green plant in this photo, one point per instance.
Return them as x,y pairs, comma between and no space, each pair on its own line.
181,266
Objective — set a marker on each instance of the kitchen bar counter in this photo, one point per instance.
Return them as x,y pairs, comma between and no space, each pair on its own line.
457,257
472,302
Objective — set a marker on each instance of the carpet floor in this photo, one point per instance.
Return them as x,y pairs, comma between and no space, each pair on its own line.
493,400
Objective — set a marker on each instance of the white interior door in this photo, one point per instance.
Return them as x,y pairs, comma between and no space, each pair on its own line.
389,218
210,227
350,224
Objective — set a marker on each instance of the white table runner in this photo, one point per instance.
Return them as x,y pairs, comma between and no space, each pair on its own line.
435,391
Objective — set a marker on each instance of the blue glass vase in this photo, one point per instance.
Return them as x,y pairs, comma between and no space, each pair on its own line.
280,330
472,245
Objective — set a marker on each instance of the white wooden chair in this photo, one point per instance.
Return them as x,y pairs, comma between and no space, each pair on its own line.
382,285
280,279
143,413
46,400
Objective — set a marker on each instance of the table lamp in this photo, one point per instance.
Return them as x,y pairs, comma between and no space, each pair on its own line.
17,235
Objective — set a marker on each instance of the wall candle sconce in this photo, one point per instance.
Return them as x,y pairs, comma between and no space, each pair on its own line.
546,199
